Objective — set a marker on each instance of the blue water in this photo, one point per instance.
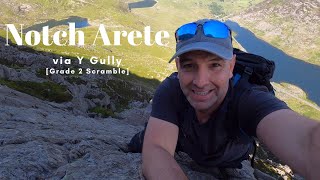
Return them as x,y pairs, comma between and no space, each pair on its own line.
79,23
288,69
142,4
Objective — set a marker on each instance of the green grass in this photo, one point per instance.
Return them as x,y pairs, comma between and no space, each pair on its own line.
276,41
102,111
292,34
144,61
300,106
14,65
303,109
222,8
47,90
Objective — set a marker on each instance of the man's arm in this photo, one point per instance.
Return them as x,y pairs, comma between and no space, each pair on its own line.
294,139
158,151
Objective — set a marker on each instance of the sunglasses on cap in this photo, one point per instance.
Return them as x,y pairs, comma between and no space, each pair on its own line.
211,28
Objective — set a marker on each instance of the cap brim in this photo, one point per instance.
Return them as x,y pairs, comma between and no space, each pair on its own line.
213,48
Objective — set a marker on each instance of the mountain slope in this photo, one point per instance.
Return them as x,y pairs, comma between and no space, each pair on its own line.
292,26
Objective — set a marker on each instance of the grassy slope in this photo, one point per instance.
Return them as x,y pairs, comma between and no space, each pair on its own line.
166,15
286,26
107,13
297,100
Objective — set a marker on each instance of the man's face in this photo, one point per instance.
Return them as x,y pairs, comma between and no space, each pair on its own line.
204,79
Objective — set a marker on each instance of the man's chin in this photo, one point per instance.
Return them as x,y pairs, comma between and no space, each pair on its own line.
201,106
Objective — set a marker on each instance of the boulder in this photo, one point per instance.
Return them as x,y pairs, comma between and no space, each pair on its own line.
25,8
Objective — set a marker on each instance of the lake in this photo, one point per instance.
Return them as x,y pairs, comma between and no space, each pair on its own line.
80,22
288,69
142,4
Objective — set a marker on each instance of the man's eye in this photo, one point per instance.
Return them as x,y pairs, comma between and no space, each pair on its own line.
215,65
187,66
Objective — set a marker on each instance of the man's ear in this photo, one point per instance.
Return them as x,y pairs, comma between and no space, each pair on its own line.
232,64
177,63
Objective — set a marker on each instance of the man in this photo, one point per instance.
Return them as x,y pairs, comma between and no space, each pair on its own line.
189,111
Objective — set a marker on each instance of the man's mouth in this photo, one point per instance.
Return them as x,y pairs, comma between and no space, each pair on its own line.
201,93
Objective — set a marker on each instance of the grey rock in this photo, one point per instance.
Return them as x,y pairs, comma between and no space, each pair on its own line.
262,176
13,98
297,177
25,8
58,79
42,140
39,141
136,115
18,75
85,96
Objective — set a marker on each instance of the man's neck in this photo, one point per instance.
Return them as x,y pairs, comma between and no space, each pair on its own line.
204,115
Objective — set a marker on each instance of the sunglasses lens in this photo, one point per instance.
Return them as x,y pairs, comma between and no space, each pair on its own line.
186,31
215,29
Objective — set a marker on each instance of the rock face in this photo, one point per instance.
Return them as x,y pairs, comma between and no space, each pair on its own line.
40,140
44,140
88,91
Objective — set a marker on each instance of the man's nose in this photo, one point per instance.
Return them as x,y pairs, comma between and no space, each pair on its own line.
201,78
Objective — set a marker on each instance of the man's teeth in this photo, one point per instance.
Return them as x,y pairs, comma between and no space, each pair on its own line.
201,93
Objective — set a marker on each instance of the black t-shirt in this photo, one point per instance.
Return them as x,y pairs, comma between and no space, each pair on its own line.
208,143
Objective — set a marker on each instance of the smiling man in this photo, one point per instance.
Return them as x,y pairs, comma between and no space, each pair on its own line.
204,81
190,111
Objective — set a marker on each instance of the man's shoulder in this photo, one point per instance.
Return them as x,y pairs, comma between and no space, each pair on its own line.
258,96
168,100
246,90
256,103
257,91
170,84
172,80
